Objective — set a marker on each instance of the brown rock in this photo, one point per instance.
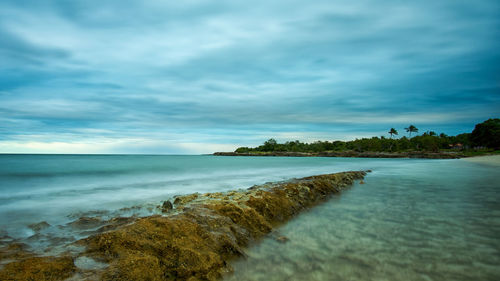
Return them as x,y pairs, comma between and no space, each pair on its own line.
198,242
166,207
39,268
86,222
193,244
184,199
36,227
14,251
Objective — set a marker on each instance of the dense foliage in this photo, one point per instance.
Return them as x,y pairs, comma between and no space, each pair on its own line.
486,134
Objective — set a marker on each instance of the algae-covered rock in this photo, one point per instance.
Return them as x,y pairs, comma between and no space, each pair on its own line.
197,243
14,251
184,199
39,268
157,246
194,243
108,225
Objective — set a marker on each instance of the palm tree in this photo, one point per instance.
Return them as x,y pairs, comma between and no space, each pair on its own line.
411,129
393,132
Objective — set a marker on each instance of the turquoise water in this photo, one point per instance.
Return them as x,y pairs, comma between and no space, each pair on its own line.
423,220
414,219
59,189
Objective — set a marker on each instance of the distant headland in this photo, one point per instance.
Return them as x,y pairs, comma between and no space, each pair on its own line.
483,140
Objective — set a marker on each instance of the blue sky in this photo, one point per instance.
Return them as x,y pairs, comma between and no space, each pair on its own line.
204,76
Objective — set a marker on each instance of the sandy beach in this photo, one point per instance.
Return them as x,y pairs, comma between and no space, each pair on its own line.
493,160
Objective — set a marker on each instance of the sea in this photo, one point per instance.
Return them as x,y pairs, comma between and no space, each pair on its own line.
412,219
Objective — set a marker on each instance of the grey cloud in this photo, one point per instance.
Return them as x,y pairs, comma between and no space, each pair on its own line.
234,69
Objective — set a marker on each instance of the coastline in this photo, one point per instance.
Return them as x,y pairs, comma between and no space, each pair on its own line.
195,239
368,154
492,160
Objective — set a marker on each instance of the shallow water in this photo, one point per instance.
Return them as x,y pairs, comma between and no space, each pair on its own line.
59,189
414,219
427,220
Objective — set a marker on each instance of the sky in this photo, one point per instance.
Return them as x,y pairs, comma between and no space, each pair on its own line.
195,76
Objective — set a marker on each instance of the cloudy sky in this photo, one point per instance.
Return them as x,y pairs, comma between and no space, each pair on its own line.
200,76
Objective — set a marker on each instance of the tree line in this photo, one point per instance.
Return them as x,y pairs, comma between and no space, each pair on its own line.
485,135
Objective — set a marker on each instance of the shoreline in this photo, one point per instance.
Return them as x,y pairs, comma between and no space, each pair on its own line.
195,238
492,160
369,154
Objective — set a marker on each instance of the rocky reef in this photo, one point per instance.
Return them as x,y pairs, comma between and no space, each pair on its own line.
194,239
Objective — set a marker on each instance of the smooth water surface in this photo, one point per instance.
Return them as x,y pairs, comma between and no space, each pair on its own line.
58,189
414,219
423,220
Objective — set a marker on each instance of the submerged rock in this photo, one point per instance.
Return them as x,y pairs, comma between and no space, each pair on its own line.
36,227
111,224
278,237
198,242
282,239
193,244
86,222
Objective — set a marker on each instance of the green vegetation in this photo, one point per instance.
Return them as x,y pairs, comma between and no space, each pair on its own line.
487,134
484,139
393,132
411,129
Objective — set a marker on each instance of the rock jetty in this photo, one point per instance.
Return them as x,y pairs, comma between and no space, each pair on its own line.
193,240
